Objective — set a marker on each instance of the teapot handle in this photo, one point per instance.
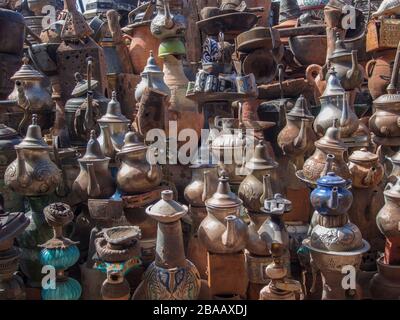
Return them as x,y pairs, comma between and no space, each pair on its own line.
369,68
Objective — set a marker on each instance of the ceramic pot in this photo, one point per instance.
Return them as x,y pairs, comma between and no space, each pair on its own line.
385,284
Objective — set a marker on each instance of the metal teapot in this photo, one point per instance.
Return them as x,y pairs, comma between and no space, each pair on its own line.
167,24
33,173
94,180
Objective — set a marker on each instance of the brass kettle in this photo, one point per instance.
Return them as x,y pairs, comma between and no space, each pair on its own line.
33,173
94,180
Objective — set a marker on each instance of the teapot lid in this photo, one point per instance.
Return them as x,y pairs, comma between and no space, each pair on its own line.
393,190
331,139
331,180
333,86
114,113
167,209
223,197
132,142
93,149
340,49
33,138
261,159
7,132
81,86
363,155
387,98
300,109
27,72
151,66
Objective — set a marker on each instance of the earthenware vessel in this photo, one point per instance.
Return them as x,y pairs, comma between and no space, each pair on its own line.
184,279
385,285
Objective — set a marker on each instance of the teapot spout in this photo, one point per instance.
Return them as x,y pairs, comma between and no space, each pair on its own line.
267,189
93,188
354,72
21,173
107,146
230,234
89,118
344,118
333,201
300,142
369,178
206,186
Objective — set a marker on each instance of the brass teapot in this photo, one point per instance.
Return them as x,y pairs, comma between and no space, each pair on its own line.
33,173
366,170
334,105
328,148
94,180
297,137
113,126
349,72
253,189
222,231
136,174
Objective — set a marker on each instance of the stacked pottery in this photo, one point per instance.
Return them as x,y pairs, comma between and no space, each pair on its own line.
113,126
202,186
60,253
181,278
386,283
118,250
224,235
334,241
384,123
330,152
11,226
367,174
35,176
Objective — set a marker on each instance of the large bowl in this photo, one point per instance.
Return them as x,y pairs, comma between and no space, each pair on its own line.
309,49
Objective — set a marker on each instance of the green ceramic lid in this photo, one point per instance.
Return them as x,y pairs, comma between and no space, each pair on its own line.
172,46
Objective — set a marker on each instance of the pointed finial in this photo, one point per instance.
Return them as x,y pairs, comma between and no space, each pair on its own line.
78,77
92,134
114,95
335,123
25,59
34,119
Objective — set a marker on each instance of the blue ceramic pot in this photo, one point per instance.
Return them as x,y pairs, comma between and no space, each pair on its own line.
60,258
331,197
68,289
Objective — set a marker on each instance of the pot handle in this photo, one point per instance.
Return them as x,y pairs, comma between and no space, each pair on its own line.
369,68
313,69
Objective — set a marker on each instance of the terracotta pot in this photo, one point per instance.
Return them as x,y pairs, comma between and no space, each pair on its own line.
378,71
141,42
386,283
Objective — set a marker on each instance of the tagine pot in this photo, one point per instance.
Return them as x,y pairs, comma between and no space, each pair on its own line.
222,231
136,174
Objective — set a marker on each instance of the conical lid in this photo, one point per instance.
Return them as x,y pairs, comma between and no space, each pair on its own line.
393,191
27,72
75,26
288,10
331,139
363,155
7,132
114,113
81,86
261,159
167,209
300,109
340,48
33,138
333,86
93,149
223,197
151,66
132,142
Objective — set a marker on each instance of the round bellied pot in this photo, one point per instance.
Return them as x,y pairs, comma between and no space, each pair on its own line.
113,126
167,23
222,231
388,220
33,173
94,180
115,287
334,105
253,189
297,138
378,71
184,280
137,173
329,150
385,284
366,169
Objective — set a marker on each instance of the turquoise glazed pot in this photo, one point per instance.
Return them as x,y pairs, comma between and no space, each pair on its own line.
60,258
68,289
